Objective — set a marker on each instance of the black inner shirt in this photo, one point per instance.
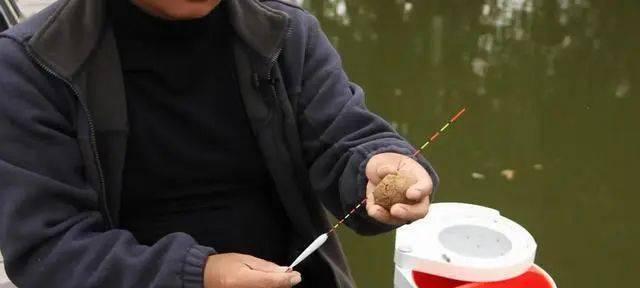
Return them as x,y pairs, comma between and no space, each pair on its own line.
192,164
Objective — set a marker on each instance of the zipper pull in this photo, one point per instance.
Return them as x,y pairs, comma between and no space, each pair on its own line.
256,80
266,87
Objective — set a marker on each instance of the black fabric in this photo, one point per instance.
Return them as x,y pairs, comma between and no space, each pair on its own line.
192,162
3,24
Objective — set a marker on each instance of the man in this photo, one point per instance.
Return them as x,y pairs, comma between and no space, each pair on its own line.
184,143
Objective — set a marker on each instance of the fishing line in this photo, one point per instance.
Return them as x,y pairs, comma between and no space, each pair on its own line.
424,146
320,240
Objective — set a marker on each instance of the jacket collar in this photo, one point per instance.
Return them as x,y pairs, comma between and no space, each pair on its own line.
70,33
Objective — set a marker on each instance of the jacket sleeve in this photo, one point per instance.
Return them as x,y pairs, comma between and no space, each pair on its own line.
51,231
339,134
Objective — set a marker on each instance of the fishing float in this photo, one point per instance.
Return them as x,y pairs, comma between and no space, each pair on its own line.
320,240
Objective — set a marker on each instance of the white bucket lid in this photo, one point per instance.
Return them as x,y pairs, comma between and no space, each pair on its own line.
465,242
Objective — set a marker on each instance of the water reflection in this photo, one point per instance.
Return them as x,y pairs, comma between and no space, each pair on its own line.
552,135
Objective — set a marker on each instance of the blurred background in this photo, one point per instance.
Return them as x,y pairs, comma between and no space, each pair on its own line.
551,137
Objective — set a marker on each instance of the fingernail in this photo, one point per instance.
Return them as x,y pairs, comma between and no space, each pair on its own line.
295,280
402,212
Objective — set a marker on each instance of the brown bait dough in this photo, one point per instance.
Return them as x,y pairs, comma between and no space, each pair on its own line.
393,189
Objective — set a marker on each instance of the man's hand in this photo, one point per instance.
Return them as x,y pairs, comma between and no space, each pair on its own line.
385,163
243,271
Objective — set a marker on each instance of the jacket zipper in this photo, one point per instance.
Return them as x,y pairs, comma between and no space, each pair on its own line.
274,60
92,132
272,63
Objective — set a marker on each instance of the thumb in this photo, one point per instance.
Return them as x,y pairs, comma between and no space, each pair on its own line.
262,265
272,279
377,172
385,170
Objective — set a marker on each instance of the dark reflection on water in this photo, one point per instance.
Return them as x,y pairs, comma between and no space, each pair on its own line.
551,137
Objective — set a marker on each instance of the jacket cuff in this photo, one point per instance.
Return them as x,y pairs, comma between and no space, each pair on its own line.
193,266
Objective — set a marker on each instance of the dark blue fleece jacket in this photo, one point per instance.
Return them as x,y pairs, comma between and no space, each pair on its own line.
63,134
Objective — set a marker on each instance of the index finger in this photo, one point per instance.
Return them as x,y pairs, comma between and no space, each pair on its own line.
420,190
411,212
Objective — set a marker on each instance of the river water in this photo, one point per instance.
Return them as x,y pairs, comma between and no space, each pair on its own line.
551,135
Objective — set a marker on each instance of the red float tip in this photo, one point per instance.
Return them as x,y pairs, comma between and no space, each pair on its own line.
458,115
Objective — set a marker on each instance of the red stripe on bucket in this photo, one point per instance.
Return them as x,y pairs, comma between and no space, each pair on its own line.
534,278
